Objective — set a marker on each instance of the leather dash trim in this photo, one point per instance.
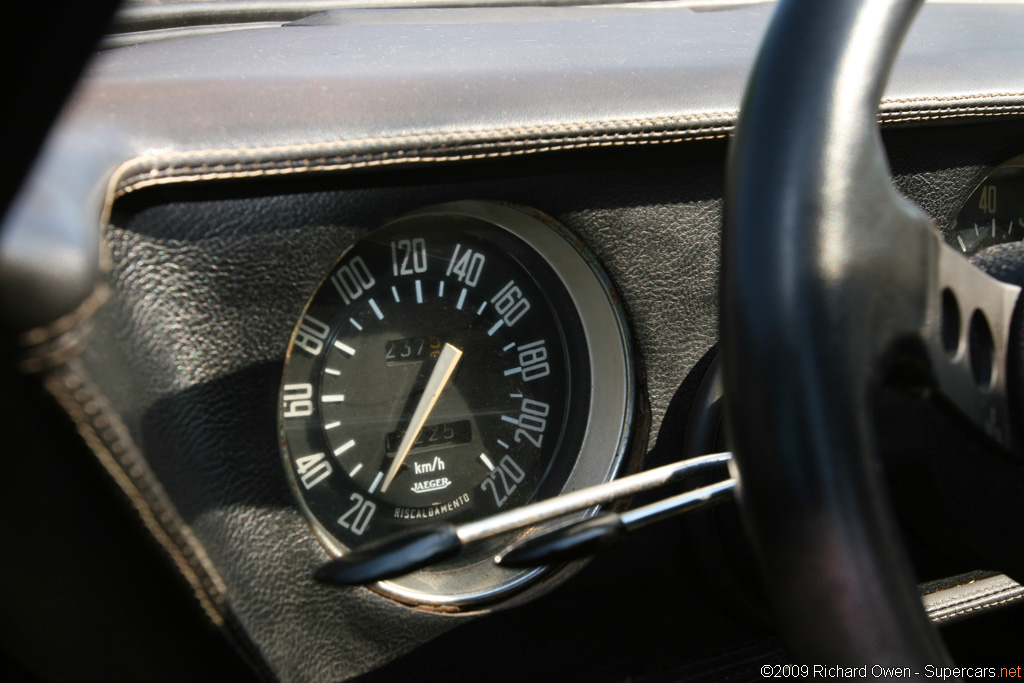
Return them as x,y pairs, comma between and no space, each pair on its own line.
958,602
152,170
216,164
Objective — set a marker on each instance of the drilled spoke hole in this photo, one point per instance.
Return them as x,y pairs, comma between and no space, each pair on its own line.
950,322
982,350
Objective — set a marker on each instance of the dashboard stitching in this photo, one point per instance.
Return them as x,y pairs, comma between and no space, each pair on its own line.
962,599
59,350
55,344
953,98
152,177
524,132
66,323
595,129
169,172
985,605
264,169
950,113
106,435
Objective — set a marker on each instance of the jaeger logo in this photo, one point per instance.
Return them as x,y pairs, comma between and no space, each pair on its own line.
430,485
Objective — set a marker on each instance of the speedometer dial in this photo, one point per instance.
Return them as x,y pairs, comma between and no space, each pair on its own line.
445,371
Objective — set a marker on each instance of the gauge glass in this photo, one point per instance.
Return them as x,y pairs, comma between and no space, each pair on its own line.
443,372
994,213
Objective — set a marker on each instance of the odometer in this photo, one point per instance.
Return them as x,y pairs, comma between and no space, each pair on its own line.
453,364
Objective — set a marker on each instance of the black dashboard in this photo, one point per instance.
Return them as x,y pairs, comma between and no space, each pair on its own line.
196,192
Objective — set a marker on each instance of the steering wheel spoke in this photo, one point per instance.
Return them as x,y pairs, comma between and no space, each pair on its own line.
967,336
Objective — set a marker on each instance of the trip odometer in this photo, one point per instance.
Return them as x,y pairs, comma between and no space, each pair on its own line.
453,364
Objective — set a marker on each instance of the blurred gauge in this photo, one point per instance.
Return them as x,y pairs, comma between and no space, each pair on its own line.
994,213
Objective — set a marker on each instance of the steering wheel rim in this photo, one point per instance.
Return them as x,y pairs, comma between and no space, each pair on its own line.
827,273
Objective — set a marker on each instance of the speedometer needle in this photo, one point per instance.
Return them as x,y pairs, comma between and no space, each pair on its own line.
439,377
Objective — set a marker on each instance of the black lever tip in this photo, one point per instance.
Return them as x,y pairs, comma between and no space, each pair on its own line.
583,539
392,556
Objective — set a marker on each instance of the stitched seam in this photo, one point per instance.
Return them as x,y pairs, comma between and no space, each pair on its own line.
530,132
99,426
966,113
526,133
589,136
59,351
952,116
963,110
966,599
433,144
952,98
55,344
63,324
988,605
142,180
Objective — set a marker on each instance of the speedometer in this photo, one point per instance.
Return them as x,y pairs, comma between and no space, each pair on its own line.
460,361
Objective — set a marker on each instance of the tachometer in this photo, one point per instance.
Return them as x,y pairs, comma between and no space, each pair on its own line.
457,362
994,213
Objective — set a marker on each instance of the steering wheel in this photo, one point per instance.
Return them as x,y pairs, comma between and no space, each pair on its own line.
829,276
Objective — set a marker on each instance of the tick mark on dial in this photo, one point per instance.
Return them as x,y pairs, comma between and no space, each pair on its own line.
462,299
512,371
344,348
376,482
332,371
419,292
495,327
503,444
333,398
344,447
355,324
508,346
376,309
394,293
355,470
332,425
481,309
510,420
440,289
486,461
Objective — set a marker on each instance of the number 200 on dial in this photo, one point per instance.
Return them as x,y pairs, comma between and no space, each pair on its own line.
458,362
